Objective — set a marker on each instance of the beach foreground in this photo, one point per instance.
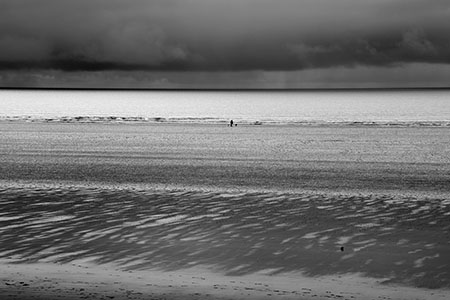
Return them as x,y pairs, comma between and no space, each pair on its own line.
87,281
93,211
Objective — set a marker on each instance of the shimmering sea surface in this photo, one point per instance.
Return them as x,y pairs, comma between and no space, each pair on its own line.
245,107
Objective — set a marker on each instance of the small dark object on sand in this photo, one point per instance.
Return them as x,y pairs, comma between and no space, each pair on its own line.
342,248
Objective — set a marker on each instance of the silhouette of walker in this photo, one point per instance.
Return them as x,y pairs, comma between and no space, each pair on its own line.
231,123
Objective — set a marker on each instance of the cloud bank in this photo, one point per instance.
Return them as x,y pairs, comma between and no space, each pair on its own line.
213,35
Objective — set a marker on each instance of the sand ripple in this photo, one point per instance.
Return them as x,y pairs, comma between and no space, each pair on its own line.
399,238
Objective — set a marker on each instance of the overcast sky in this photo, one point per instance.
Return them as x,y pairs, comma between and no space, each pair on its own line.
233,43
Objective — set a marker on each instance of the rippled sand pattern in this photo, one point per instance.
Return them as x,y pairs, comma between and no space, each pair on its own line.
400,239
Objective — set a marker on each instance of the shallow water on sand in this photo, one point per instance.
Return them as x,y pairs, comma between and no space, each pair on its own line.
400,239
399,160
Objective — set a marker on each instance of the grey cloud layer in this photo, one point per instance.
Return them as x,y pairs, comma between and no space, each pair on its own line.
221,35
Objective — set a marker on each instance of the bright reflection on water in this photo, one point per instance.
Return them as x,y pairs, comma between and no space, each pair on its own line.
241,106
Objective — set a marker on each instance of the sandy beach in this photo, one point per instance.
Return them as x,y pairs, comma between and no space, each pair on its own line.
186,211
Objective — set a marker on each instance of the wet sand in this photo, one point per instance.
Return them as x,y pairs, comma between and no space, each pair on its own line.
284,212
357,159
85,281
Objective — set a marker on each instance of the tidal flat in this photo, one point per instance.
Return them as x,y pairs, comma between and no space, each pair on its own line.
200,211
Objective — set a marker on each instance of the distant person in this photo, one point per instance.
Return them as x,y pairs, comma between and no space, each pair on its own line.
231,123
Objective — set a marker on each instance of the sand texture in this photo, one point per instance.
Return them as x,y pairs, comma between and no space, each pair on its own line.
261,157
96,211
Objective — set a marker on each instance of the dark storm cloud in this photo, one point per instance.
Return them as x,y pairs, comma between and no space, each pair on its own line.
415,75
218,35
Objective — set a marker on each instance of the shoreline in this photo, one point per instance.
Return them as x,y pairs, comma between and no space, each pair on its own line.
186,121
152,187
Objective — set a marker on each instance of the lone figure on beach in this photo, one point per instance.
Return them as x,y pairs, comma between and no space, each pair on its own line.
231,123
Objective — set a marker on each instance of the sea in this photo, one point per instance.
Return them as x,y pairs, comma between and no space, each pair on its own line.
364,107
